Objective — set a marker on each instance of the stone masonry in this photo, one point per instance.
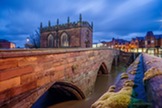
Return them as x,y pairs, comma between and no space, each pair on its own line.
70,34
154,85
26,74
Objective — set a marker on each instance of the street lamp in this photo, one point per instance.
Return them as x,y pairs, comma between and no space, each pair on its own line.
27,40
27,43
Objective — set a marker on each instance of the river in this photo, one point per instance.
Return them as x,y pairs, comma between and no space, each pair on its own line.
102,84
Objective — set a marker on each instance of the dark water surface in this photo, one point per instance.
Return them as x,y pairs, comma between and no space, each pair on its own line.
102,84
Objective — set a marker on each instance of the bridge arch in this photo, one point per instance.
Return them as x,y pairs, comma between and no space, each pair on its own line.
102,69
74,90
116,60
59,92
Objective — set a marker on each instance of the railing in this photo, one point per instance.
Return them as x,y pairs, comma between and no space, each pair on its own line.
151,51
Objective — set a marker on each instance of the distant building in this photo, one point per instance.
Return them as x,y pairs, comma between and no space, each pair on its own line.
137,42
117,43
153,41
100,44
6,44
71,34
148,43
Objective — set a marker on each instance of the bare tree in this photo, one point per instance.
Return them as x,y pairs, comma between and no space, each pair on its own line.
34,40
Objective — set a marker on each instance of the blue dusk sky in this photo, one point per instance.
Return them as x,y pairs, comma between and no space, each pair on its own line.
112,18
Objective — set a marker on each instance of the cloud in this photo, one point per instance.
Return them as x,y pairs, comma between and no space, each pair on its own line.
122,18
20,23
132,16
91,7
126,8
104,36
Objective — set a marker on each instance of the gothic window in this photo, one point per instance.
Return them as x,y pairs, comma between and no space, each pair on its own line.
149,42
64,40
50,41
145,42
152,41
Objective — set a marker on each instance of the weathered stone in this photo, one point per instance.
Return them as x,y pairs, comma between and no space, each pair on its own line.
10,83
10,73
27,78
8,63
23,88
36,70
153,86
24,61
42,81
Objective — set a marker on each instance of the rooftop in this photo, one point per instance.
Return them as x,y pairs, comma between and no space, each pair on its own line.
67,25
3,40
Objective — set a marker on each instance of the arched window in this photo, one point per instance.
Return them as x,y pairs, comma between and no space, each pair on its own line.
64,40
50,41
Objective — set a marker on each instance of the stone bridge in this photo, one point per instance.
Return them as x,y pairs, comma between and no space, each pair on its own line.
140,86
25,75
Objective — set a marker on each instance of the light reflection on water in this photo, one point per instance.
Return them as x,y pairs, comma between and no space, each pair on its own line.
102,84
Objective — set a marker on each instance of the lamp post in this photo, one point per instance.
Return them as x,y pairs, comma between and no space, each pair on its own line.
27,40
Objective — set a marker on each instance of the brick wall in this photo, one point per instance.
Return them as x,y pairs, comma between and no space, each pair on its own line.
149,40
26,74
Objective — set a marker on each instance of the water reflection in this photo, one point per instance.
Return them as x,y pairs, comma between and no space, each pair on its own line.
102,84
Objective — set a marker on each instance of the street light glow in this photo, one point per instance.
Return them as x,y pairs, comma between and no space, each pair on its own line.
27,39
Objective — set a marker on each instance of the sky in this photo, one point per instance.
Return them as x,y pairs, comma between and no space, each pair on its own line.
111,18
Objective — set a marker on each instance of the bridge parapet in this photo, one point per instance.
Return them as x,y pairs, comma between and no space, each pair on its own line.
153,79
141,85
26,74
45,51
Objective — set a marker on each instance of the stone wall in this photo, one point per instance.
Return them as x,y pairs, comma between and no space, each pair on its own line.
74,33
78,35
26,74
154,84
127,57
86,35
141,83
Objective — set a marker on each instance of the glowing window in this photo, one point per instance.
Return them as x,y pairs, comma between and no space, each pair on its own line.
50,41
64,40
152,41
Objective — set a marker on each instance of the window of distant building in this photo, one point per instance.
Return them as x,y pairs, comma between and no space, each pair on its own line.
152,41
136,43
146,42
50,41
64,40
149,42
